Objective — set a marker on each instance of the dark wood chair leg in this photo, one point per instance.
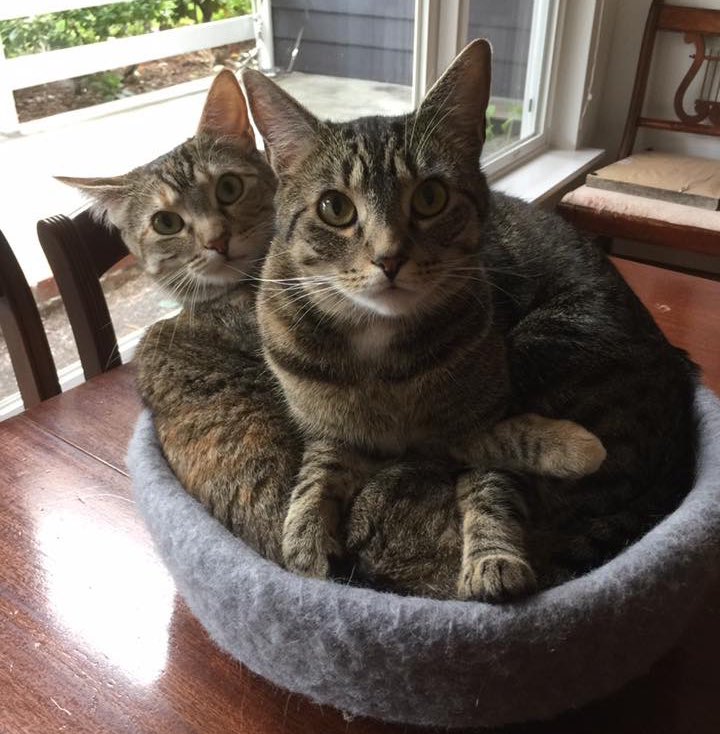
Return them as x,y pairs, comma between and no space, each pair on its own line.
24,333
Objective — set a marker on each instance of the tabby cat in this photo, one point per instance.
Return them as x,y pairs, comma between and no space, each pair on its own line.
405,309
199,220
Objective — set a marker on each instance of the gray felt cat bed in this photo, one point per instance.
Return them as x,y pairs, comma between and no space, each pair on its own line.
442,663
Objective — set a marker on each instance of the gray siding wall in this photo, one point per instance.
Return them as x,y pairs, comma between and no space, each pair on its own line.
373,39
507,24
363,39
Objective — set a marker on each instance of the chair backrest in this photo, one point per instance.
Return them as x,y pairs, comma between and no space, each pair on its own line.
24,333
697,25
80,250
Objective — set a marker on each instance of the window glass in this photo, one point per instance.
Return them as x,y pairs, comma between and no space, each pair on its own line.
518,31
347,59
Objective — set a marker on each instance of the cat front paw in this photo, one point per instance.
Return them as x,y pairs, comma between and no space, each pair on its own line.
307,548
574,453
496,578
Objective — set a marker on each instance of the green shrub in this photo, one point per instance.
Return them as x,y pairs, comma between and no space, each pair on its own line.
90,25
107,84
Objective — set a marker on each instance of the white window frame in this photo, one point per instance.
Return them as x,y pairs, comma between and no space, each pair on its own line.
564,34
440,33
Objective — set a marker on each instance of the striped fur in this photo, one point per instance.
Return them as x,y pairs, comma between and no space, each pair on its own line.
222,427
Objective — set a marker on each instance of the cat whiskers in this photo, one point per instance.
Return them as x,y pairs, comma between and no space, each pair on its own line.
175,325
146,340
194,299
246,276
303,279
296,293
280,282
177,284
319,297
300,293
462,266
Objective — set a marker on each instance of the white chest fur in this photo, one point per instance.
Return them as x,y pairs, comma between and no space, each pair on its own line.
371,341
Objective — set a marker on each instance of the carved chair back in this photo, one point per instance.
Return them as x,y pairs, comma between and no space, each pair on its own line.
701,28
80,250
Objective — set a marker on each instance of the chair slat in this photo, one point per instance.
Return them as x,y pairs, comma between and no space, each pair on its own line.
24,333
79,251
689,20
678,127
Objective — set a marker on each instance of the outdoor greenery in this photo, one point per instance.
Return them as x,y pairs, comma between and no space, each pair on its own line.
90,25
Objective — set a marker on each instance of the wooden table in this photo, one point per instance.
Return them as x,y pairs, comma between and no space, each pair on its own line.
93,637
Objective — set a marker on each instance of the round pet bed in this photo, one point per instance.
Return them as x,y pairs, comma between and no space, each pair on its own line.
441,663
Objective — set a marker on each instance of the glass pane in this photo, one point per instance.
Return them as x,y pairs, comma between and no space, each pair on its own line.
509,25
346,59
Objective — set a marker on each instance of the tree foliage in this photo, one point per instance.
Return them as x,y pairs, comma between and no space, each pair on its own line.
90,25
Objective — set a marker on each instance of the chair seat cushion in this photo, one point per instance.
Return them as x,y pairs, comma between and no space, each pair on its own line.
439,663
677,178
622,205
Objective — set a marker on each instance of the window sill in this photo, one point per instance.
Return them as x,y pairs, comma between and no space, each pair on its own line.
539,179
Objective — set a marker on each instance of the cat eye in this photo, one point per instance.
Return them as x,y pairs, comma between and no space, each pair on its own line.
429,198
229,188
167,222
336,209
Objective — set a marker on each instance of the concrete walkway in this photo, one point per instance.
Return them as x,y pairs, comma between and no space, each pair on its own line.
118,136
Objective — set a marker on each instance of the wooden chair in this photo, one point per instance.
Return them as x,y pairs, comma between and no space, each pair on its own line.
80,250
24,333
659,198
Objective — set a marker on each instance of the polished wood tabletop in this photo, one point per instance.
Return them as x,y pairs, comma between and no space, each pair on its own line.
94,638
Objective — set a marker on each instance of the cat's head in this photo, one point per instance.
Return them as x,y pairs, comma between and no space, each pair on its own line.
384,215
199,218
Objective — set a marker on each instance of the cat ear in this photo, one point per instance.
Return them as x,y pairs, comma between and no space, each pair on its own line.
225,112
459,98
109,195
286,126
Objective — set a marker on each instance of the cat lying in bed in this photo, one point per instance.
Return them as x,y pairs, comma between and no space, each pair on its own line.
200,219
405,308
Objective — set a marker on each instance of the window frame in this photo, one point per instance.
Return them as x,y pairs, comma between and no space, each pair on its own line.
440,33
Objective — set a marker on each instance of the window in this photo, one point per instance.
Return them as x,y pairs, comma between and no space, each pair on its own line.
341,58
366,57
522,34
519,31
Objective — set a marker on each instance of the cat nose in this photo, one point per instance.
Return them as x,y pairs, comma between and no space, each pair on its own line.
219,244
390,265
